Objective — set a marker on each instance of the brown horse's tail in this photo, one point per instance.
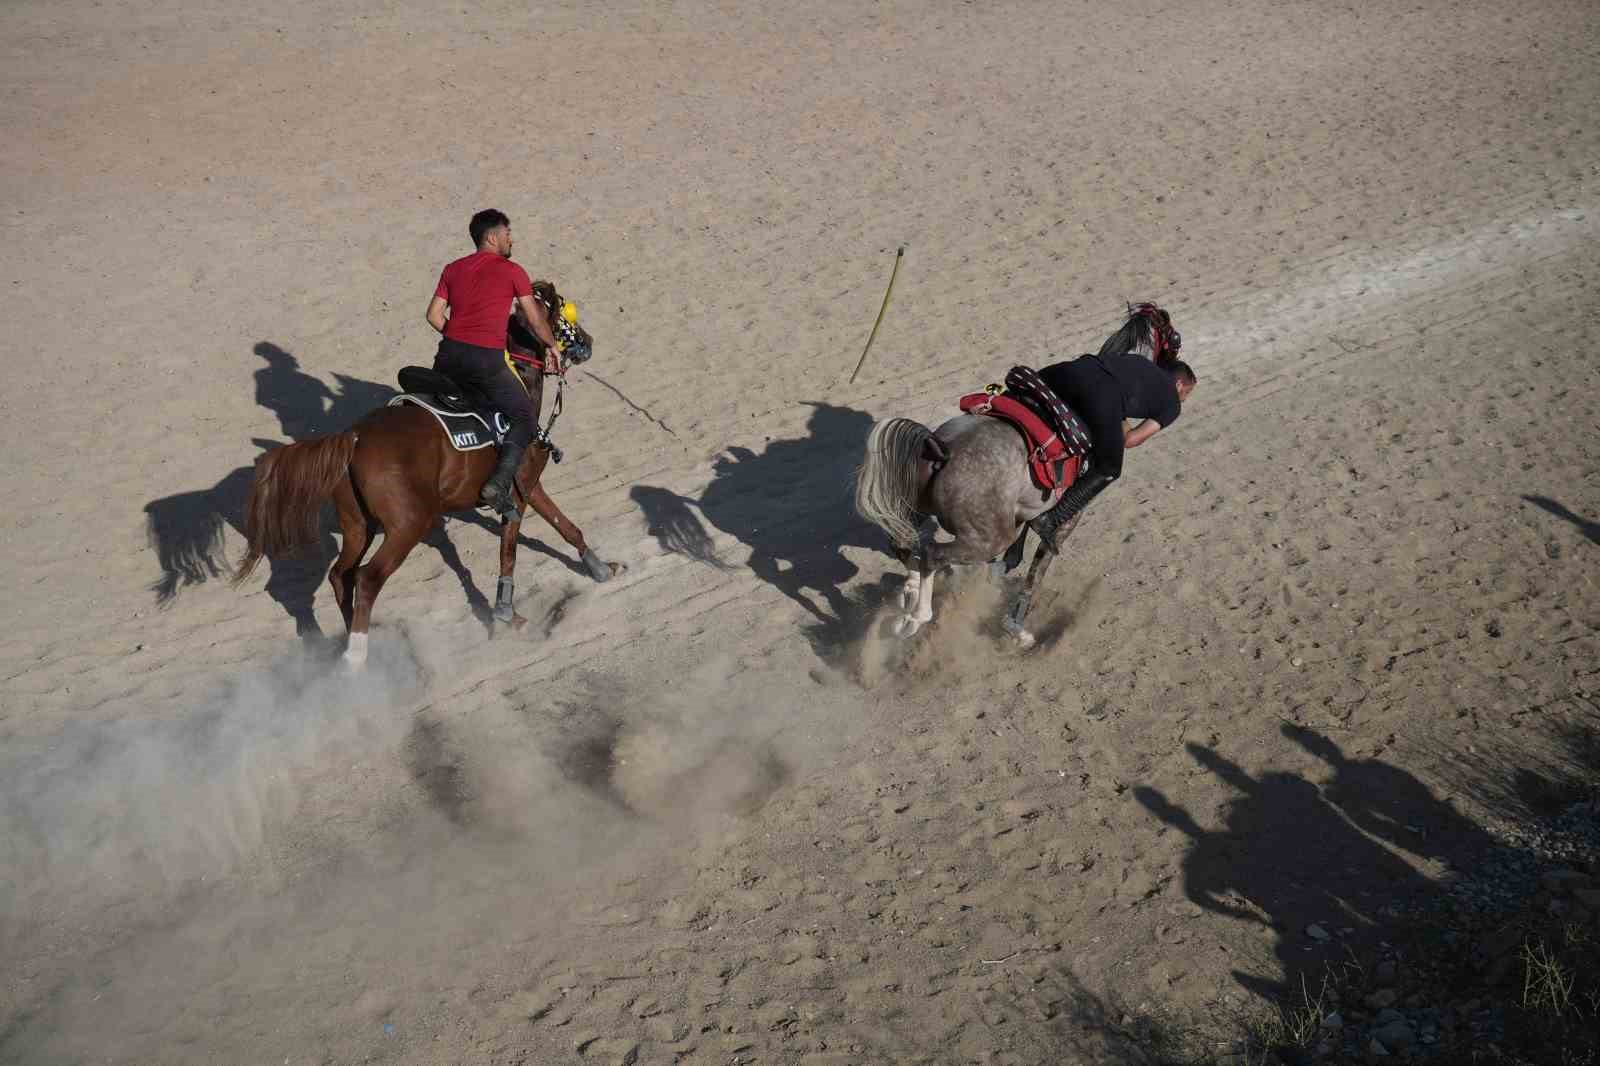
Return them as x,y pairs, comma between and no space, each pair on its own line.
284,510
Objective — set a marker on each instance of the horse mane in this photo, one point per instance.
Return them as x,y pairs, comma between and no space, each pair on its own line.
1133,336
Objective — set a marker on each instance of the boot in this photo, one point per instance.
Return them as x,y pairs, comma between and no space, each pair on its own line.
497,494
1071,503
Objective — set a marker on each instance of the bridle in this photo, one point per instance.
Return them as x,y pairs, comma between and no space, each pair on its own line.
563,324
1165,340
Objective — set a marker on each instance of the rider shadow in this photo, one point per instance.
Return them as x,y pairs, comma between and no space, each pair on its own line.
187,529
1291,854
789,504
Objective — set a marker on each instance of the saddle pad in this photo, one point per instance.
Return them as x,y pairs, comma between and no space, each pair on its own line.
1024,383
467,430
1052,463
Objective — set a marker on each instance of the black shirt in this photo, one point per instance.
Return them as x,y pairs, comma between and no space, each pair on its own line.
1104,391
1147,390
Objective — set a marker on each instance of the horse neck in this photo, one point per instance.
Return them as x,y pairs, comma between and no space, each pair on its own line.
1132,339
534,380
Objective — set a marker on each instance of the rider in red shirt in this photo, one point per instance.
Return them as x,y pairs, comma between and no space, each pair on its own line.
478,290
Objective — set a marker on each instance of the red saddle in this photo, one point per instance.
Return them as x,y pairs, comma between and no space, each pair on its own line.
1052,463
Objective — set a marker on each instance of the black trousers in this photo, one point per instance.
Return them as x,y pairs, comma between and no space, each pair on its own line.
483,371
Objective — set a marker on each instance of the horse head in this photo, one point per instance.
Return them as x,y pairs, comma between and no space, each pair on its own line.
574,341
1149,332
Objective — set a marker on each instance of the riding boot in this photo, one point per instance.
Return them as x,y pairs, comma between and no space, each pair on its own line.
1067,508
497,494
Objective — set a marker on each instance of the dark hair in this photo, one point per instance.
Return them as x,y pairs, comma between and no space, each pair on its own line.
485,221
1181,370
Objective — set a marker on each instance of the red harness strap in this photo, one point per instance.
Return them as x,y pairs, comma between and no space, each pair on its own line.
1050,461
527,358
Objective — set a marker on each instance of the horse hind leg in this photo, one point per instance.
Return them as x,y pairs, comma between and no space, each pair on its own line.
355,538
398,540
917,597
918,604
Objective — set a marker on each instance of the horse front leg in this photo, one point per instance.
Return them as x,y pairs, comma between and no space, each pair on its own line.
598,568
505,592
1016,617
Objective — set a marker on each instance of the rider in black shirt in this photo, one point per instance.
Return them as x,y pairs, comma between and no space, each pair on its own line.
1104,390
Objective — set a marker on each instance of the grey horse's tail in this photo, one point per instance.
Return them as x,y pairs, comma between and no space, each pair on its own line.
892,475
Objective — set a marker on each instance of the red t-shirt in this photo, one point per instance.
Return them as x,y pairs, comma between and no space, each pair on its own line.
480,289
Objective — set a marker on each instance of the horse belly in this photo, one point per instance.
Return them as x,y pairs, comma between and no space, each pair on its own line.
403,450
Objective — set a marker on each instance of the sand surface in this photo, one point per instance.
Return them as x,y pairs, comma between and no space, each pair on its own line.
1327,628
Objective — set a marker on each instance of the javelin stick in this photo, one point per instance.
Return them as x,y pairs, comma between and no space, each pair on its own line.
898,255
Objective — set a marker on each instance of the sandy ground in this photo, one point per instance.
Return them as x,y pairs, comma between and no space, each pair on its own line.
1328,627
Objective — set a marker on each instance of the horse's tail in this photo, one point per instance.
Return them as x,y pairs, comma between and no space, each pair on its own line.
892,476
284,510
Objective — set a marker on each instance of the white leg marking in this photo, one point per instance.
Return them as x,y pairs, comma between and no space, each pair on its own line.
925,599
910,590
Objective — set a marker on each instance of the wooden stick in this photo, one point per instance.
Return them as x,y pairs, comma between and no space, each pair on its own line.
898,255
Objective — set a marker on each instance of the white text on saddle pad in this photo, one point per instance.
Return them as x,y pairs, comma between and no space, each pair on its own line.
467,431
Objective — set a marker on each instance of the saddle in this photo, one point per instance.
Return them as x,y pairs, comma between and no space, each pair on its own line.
1058,441
470,423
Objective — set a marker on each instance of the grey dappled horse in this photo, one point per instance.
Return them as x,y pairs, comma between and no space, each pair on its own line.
972,475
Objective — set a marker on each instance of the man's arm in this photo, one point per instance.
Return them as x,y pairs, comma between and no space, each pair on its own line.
436,317
536,318
1132,438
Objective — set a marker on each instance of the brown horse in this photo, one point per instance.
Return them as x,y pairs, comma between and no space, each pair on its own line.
397,470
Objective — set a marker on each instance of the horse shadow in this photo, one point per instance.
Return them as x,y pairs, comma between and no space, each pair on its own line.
1291,855
789,504
187,530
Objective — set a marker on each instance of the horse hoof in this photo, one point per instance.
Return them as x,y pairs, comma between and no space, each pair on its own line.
355,652
907,625
516,621
599,569
1024,639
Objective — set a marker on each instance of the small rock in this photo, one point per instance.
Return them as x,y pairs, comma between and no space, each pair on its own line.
1334,1020
1316,932
1383,997
1388,1016
1377,1050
